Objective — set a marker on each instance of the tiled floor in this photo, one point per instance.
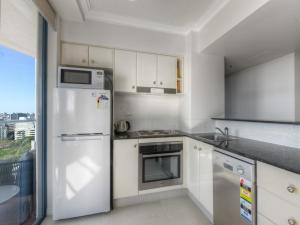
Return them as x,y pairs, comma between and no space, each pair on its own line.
175,211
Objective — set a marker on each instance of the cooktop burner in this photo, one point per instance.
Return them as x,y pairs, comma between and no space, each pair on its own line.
147,133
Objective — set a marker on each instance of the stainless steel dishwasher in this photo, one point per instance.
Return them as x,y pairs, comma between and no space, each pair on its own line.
234,189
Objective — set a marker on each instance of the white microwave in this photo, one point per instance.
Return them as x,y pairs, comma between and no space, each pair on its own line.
74,77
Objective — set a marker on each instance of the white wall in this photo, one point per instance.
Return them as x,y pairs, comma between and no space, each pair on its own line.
281,134
145,111
116,36
297,85
204,97
233,12
266,91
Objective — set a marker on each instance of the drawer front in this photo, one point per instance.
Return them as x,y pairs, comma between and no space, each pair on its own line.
261,220
280,182
278,211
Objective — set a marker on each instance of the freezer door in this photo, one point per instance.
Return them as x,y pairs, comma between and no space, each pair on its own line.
81,179
81,111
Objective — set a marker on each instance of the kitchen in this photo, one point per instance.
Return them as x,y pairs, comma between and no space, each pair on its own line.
174,113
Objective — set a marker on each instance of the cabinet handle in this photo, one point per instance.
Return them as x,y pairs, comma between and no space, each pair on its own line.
92,61
133,87
83,61
292,221
135,145
195,147
291,188
161,83
154,82
200,149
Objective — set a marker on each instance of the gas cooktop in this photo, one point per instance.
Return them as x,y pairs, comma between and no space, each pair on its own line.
156,133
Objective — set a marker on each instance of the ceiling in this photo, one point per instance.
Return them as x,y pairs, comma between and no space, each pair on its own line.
270,32
175,16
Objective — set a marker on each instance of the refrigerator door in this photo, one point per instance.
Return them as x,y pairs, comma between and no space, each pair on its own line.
81,183
82,111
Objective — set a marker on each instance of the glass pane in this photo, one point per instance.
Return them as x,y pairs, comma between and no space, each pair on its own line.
17,138
161,168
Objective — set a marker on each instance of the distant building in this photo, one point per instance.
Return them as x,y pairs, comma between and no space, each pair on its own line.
26,129
3,132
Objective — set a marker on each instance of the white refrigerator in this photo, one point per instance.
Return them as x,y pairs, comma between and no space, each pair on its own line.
81,156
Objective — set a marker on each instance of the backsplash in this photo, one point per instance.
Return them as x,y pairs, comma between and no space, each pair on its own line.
282,134
148,112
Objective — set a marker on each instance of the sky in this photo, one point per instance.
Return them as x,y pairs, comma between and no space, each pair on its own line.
17,81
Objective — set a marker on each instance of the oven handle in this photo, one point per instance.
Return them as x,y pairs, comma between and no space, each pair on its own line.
159,155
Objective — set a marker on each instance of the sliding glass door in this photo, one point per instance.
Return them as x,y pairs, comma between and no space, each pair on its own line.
21,113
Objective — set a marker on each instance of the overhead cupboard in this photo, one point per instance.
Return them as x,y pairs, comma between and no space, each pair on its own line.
87,56
134,72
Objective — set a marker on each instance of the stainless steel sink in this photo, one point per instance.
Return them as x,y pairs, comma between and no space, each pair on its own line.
216,137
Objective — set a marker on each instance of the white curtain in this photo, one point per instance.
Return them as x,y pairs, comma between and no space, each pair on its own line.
18,25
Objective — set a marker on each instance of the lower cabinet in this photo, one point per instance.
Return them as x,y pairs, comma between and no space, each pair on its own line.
261,220
125,169
200,173
277,195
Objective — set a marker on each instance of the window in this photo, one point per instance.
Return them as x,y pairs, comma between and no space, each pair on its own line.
20,129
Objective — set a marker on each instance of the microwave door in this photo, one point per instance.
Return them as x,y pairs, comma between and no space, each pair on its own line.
82,111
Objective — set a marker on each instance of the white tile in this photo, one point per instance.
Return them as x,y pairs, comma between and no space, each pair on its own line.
179,210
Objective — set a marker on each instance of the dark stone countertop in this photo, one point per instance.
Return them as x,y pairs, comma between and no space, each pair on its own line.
284,157
259,121
133,135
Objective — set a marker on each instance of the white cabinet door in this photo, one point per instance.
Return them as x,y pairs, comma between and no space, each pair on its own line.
261,220
276,209
193,168
100,57
200,173
146,70
125,71
206,176
74,54
125,175
166,71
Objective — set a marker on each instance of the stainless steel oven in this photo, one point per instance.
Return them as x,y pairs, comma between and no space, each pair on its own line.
160,164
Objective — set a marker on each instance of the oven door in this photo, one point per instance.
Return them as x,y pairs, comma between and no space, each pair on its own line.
160,170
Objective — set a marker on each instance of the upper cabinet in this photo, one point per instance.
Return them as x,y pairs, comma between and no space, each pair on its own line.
74,54
133,71
125,71
156,71
146,70
100,57
87,56
166,71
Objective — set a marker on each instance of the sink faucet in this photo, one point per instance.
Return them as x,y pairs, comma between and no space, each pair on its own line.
225,132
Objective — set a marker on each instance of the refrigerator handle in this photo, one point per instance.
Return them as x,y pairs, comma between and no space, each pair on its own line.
79,137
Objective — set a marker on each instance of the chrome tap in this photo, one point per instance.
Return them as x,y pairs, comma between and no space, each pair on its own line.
225,132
